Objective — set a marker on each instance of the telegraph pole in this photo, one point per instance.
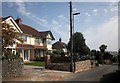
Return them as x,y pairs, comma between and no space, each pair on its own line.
71,37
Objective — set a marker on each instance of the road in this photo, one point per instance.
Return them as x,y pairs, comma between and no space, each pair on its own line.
101,73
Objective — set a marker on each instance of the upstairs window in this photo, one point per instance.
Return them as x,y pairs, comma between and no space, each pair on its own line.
38,41
24,37
48,41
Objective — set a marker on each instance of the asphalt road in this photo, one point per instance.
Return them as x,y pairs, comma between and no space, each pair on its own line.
101,73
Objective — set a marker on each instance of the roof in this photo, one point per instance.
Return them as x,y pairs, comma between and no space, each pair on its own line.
45,33
4,18
30,46
59,45
28,30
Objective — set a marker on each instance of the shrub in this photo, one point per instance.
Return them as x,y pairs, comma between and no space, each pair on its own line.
8,55
96,64
60,59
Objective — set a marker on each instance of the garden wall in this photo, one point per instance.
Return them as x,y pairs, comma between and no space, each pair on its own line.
82,65
11,68
79,66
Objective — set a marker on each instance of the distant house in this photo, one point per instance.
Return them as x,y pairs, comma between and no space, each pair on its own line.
59,45
47,36
35,44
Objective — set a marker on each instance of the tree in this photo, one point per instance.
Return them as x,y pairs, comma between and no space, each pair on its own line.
107,56
102,51
79,45
103,48
93,54
9,36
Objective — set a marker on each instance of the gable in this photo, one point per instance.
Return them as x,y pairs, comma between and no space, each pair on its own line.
12,23
47,34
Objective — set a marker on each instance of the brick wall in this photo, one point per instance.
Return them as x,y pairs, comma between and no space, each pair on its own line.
11,68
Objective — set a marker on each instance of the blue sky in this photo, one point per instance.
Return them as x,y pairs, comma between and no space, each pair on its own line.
98,21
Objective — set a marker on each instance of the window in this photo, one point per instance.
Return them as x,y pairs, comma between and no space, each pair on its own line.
48,41
24,37
38,41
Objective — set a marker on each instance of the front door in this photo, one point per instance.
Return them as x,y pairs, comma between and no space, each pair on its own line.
26,55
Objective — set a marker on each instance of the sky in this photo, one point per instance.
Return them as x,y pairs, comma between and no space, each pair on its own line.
97,21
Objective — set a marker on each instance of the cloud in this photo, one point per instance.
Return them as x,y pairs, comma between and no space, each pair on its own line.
105,10
87,14
113,6
25,12
106,33
114,9
60,25
75,9
61,30
95,10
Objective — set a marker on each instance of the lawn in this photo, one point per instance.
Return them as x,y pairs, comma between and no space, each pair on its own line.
35,63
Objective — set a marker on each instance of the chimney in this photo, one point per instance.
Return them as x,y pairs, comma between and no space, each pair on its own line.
60,40
18,20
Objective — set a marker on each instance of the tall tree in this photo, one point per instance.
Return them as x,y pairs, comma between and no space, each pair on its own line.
79,45
102,50
9,36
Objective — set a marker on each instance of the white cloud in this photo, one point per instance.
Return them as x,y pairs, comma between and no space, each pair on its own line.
60,26
114,9
113,6
106,33
87,14
61,30
25,12
105,10
95,10
75,9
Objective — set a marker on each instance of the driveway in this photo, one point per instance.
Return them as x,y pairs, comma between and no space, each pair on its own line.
36,73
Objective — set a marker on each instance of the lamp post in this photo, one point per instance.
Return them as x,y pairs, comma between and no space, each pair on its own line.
72,39
71,36
73,20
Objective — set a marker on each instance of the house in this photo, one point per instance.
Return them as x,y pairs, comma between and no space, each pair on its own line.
59,45
36,44
47,36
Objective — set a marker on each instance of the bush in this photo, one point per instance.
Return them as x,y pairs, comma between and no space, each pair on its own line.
100,61
39,58
96,64
114,60
60,59
8,55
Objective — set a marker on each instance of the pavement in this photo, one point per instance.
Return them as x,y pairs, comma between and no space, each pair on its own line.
36,73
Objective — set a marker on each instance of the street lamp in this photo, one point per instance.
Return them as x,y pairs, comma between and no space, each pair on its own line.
72,37
73,20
